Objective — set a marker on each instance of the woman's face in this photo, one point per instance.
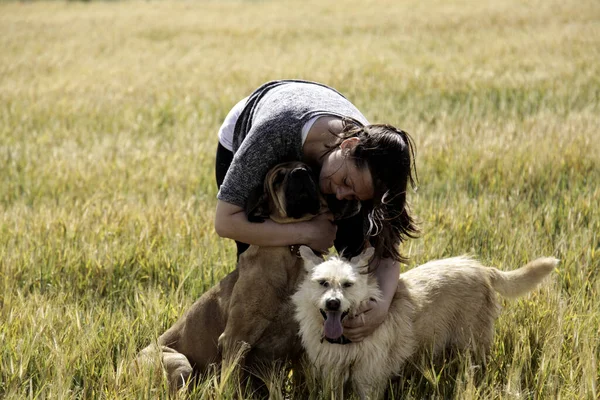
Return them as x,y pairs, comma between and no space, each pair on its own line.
341,177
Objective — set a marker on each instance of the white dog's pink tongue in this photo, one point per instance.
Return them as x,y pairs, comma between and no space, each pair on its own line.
333,325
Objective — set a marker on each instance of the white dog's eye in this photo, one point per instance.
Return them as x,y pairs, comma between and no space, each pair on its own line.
323,283
347,284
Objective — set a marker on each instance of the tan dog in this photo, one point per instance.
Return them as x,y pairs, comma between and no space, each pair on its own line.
251,306
442,305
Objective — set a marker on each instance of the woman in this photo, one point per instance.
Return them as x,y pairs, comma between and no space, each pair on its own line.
364,171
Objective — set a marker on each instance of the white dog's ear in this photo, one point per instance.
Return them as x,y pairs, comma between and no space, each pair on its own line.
363,258
309,257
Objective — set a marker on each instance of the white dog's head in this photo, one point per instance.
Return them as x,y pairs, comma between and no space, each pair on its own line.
334,288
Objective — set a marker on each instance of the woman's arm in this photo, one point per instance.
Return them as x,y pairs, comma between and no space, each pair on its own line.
372,314
387,274
231,222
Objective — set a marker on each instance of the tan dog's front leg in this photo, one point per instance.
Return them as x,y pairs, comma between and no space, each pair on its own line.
247,320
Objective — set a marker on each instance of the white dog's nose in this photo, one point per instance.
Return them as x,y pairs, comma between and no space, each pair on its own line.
332,304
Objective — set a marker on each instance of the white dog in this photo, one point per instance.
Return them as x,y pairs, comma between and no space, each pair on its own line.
444,304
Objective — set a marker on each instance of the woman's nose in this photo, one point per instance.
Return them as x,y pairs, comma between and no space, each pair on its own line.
343,193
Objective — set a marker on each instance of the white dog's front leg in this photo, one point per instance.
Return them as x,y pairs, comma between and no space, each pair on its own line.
334,380
368,387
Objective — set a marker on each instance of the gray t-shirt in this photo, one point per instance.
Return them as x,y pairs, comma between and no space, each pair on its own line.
269,130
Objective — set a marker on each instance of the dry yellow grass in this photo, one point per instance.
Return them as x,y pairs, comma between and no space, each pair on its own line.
108,121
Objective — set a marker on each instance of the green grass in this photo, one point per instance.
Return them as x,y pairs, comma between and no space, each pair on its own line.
108,120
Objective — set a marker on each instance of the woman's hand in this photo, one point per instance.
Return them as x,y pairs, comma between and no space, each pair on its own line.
371,314
368,317
321,232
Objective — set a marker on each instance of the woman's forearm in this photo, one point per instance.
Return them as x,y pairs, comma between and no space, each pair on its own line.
372,313
387,275
233,224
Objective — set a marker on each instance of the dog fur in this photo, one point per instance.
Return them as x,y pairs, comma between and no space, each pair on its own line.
448,304
250,308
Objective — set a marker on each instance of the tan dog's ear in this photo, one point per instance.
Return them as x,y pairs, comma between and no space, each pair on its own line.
363,258
309,257
257,205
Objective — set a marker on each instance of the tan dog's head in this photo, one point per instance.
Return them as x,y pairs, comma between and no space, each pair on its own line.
333,288
290,194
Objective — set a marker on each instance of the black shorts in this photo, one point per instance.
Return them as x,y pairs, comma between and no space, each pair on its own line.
350,234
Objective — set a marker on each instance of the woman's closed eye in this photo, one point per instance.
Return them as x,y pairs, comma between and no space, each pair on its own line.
346,182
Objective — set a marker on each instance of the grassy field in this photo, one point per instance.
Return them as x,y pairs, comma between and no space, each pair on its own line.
109,114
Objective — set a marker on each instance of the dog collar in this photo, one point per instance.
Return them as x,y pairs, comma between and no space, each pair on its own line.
341,340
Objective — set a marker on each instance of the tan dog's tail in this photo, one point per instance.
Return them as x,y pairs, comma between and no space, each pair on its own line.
520,281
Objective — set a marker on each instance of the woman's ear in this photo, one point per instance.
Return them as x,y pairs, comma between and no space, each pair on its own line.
349,144
257,205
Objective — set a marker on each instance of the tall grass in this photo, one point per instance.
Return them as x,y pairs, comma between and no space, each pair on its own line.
108,122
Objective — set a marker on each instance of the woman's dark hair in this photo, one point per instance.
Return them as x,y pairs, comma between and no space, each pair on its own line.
389,153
